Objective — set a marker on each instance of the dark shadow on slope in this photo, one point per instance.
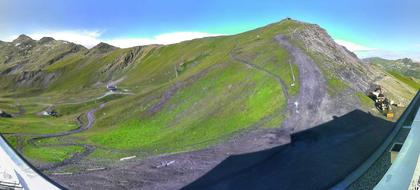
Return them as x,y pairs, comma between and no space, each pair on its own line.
317,158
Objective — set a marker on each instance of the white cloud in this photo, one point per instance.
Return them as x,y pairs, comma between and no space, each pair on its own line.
168,38
365,52
91,38
353,46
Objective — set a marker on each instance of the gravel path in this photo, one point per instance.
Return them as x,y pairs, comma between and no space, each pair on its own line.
304,109
90,117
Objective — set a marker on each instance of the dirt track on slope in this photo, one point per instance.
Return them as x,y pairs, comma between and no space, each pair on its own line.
188,166
88,149
304,109
90,117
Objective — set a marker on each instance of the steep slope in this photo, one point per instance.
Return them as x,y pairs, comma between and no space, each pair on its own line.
23,60
343,69
231,94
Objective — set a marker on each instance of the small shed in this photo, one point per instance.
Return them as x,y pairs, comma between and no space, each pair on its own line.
111,87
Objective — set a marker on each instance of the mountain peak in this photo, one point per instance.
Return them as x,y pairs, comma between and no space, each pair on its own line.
22,38
102,48
46,40
406,60
103,45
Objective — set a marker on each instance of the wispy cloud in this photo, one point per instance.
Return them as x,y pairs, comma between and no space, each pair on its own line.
91,38
353,46
363,51
168,38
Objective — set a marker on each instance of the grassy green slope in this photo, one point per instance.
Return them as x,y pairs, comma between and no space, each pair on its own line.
208,89
405,67
405,70
407,80
218,95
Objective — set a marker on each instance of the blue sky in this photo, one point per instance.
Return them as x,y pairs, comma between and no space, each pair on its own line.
386,28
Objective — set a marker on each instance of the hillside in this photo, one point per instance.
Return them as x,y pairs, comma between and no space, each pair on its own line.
254,88
405,69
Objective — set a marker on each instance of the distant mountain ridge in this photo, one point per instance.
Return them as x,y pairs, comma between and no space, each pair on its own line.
405,66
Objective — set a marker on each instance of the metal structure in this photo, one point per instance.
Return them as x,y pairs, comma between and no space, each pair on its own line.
404,173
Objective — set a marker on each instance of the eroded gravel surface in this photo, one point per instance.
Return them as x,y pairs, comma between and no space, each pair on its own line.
304,109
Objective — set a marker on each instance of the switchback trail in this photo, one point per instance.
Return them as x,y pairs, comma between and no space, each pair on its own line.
90,117
88,149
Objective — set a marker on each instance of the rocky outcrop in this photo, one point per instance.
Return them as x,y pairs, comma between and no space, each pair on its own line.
34,79
332,57
23,61
123,62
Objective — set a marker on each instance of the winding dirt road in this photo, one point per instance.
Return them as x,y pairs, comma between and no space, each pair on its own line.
88,149
90,117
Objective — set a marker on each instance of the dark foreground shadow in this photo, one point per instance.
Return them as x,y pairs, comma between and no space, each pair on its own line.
317,158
